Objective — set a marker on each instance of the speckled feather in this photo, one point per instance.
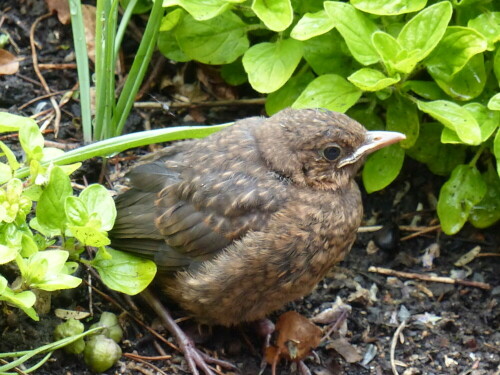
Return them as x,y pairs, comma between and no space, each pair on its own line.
248,219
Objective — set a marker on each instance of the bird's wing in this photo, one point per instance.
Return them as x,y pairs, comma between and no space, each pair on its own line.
180,213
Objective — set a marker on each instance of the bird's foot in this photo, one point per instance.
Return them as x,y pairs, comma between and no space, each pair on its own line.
195,358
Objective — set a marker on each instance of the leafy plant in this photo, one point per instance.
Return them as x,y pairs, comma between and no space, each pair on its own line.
393,64
111,113
64,224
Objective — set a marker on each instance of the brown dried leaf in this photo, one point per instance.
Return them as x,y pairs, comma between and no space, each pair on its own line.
8,63
297,337
61,7
468,257
345,349
88,14
333,313
210,77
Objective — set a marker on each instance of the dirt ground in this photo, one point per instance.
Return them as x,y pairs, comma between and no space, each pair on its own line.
421,327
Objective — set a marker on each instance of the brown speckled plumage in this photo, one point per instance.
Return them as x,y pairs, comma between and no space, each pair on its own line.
250,218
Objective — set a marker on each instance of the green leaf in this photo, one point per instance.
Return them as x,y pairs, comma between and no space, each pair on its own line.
234,73
494,102
29,246
311,25
326,54
440,158
328,91
31,140
466,84
424,31
168,46
76,212
277,15
402,116
90,234
356,28
487,211
488,24
201,10
167,42
12,123
458,195
389,7
496,150
141,6
286,95
171,19
368,79
9,155
392,54
496,64
456,48
382,168
23,300
270,65
51,275
124,272
426,89
50,208
366,116
220,40
455,118
3,284
8,253
488,120
49,153
98,201
5,173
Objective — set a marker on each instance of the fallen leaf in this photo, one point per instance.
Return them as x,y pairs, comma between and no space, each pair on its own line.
468,257
8,63
88,14
345,349
61,8
296,337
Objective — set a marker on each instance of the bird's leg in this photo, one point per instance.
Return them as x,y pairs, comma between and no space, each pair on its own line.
264,328
194,358
303,369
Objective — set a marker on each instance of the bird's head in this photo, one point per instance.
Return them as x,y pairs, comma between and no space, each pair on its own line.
318,148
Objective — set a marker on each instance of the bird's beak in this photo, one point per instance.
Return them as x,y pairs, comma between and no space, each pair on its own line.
375,140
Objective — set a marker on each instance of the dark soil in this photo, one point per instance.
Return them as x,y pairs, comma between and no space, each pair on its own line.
450,328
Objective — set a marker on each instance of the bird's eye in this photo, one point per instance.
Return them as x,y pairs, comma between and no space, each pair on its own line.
331,153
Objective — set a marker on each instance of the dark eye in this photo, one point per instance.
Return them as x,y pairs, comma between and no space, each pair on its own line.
331,153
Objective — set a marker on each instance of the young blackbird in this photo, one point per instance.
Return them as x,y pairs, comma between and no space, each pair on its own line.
249,218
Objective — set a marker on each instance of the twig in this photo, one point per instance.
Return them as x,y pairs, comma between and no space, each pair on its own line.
57,66
146,358
39,74
40,98
216,103
62,146
393,346
420,232
435,279
144,362
138,321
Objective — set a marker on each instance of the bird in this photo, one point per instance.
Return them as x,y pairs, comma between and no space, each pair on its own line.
249,218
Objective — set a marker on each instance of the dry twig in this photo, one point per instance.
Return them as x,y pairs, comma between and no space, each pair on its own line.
436,279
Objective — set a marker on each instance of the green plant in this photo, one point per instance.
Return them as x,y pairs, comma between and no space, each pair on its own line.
393,64
111,113
64,224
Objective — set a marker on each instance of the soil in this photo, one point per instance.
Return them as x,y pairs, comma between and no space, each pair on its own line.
448,328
